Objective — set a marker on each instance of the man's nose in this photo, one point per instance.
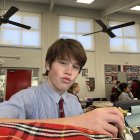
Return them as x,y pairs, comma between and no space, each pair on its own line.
69,70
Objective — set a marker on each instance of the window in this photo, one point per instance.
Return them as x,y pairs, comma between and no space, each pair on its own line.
71,27
126,40
15,36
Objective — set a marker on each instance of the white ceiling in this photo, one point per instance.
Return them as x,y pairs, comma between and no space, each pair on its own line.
105,7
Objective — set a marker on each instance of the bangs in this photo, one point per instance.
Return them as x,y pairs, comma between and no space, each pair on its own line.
65,53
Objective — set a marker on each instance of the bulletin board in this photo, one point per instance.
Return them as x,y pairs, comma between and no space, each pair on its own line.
132,72
111,73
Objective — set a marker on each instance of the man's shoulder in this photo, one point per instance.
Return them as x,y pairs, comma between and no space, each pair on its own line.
27,92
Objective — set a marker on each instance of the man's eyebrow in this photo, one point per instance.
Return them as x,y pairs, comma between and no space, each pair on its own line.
68,59
77,63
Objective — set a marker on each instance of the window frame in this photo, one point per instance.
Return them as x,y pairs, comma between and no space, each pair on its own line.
75,33
125,37
22,16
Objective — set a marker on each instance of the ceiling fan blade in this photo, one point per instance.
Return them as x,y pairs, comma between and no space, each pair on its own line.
10,12
111,34
122,25
92,33
19,24
101,24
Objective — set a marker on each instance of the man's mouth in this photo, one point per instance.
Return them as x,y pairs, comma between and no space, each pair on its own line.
66,80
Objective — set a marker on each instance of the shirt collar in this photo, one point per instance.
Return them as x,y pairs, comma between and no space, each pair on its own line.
53,94
125,93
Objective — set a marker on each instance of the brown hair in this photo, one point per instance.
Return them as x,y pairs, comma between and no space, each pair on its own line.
72,87
63,48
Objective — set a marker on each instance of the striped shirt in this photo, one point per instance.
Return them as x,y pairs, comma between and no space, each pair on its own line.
39,102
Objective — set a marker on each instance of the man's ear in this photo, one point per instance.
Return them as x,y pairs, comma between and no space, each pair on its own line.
47,66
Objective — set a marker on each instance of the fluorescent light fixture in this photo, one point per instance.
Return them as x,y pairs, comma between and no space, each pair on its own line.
137,8
85,1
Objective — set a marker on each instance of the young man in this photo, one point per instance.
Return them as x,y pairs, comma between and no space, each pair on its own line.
124,92
115,88
64,60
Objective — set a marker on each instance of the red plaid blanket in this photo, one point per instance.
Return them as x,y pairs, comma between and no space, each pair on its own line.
46,131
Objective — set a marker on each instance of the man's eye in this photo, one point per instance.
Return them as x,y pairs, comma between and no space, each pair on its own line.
62,62
77,67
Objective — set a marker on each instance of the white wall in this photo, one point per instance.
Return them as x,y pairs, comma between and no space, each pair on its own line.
96,60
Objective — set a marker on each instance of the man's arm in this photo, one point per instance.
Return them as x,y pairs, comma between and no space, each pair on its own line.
108,121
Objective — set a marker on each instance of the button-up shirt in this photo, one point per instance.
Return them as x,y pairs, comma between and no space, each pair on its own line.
39,102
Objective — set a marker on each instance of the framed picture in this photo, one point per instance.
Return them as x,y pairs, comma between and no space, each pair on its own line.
108,79
84,72
90,83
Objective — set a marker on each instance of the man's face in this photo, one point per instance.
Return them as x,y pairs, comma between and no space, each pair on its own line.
127,90
63,73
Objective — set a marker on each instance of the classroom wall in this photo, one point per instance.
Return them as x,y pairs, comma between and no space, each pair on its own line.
95,64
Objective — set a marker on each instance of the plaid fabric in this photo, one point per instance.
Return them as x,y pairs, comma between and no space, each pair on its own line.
46,131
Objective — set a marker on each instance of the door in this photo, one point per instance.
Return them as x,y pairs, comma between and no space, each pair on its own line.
17,80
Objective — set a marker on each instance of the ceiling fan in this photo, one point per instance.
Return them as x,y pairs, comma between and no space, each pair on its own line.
108,30
4,19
